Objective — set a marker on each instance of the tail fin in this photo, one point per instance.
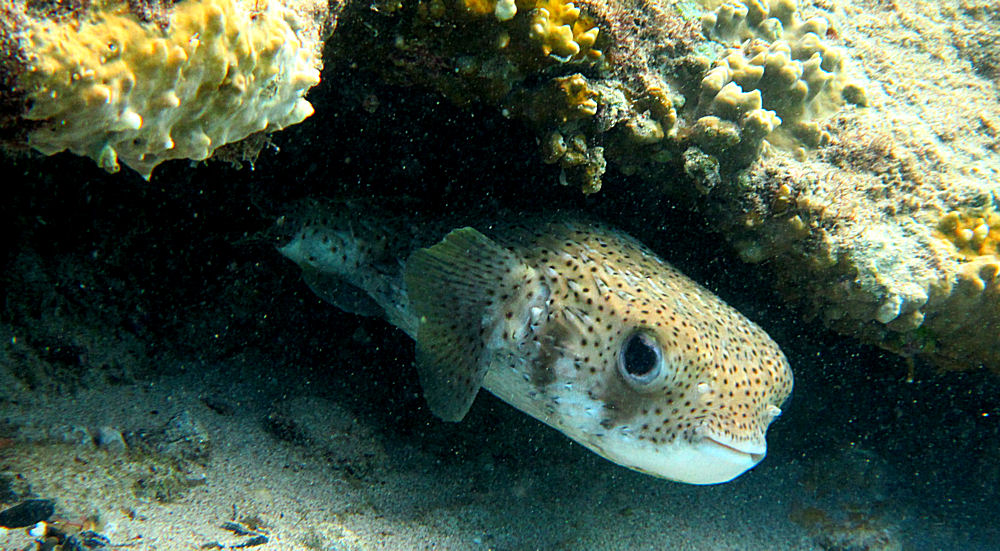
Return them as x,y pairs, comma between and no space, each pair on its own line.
350,257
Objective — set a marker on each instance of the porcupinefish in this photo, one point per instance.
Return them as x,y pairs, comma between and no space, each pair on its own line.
576,324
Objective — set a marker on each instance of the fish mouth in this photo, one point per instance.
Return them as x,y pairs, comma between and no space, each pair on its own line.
715,447
705,460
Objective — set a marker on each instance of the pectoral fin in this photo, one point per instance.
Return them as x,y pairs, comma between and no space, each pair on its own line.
449,287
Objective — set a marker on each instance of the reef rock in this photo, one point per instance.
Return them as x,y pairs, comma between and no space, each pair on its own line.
888,228
851,147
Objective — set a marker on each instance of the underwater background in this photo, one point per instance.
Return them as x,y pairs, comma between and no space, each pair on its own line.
168,381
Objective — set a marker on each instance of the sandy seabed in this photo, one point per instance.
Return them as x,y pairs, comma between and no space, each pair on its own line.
389,495
318,466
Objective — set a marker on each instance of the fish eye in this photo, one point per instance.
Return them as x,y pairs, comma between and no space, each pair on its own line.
639,359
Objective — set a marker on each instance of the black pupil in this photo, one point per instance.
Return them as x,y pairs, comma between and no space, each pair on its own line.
640,358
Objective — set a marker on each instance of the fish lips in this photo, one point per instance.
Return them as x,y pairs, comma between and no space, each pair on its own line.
729,461
704,461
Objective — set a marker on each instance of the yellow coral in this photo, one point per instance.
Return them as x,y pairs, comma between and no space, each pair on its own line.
561,100
116,89
504,10
974,232
564,33
479,7
580,99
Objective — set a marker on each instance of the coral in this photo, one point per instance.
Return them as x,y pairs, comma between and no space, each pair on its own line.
503,10
866,184
596,69
786,58
863,244
540,60
561,100
556,29
737,21
974,232
733,118
107,85
581,164
579,97
563,33
636,79
881,222
964,315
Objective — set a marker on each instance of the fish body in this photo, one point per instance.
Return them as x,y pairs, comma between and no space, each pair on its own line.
576,324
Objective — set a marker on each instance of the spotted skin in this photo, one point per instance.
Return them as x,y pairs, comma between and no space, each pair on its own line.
728,375
538,314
